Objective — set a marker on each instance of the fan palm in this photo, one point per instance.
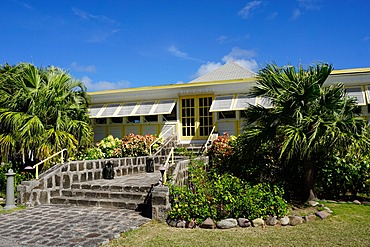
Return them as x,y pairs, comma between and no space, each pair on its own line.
308,120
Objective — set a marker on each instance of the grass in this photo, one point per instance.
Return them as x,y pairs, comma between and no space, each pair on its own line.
2,211
349,225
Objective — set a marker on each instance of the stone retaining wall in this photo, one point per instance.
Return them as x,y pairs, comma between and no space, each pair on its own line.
49,184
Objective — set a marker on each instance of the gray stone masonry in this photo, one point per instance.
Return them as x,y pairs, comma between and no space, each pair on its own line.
160,203
66,225
62,176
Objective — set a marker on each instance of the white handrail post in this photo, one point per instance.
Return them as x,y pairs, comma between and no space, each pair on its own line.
37,172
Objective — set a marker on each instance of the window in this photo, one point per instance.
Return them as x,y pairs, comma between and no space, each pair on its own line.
133,119
117,120
151,118
170,117
226,115
100,121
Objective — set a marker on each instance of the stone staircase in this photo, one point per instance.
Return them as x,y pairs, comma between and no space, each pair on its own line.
130,192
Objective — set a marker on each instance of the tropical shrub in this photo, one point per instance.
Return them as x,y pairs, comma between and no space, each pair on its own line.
129,146
223,196
346,174
221,152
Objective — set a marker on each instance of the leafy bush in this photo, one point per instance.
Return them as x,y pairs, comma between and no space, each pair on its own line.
221,152
223,196
343,174
130,146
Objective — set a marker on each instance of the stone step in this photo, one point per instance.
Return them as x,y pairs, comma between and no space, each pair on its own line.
84,193
101,202
110,188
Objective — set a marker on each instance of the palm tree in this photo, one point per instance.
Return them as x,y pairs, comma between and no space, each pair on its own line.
308,121
41,112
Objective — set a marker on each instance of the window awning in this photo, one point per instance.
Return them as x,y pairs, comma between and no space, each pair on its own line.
367,89
125,110
358,93
94,110
144,108
265,102
109,110
222,103
133,109
243,101
164,106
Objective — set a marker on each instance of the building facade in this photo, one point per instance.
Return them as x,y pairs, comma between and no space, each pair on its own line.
191,110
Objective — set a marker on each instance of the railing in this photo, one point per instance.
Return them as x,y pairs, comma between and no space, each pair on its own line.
37,165
171,156
208,142
160,136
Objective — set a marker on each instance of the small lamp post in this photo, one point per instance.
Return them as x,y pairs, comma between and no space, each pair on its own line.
10,190
28,170
162,169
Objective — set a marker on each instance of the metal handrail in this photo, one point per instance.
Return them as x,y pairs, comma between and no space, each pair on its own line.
205,145
37,165
160,136
167,164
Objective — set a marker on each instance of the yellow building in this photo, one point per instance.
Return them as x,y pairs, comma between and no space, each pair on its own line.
192,109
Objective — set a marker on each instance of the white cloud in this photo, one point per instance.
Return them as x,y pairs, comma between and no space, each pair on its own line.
296,14
244,13
240,56
101,35
103,85
237,53
82,68
88,16
178,53
309,4
272,16
208,67
226,39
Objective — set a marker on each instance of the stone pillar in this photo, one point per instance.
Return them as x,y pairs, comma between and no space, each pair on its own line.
160,203
10,190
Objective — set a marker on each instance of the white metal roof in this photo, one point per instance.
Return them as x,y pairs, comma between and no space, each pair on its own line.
229,71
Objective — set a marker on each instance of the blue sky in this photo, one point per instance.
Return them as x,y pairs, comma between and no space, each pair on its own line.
131,43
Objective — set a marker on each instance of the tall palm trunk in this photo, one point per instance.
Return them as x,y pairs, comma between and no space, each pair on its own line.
308,180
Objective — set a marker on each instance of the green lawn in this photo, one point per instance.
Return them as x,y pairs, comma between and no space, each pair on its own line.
349,225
